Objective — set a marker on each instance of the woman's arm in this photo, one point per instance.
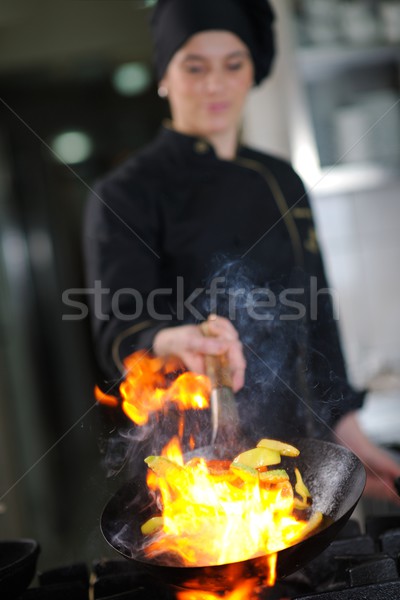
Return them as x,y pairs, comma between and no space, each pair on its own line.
123,268
382,470
124,259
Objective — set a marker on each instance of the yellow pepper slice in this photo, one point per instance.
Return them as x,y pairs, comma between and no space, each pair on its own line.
152,525
258,458
245,472
301,487
282,447
274,476
160,465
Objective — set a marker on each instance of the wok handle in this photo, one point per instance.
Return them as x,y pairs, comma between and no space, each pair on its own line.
217,366
224,412
217,369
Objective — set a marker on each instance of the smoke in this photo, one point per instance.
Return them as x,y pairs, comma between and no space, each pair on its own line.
125,446
288,390
270,336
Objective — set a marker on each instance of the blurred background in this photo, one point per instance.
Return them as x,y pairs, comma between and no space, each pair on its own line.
77,96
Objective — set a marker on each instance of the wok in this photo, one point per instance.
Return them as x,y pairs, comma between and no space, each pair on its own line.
18,560
333,474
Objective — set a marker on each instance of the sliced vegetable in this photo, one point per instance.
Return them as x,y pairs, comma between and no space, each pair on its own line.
220,470
258,458
245,472
160,465
274,476
314,522
218,467
286,489
152,525
249,467
282,447
300,504
194,462
301,488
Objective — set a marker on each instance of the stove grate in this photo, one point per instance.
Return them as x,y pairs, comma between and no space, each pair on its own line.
354,566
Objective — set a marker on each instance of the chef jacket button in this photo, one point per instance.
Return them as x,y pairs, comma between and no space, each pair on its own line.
201,147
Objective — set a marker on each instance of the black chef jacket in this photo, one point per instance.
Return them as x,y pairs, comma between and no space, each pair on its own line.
160,226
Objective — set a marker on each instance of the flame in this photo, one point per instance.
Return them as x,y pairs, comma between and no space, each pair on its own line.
173,451
149,386
272,561
211,516
242,592
213,513
105,399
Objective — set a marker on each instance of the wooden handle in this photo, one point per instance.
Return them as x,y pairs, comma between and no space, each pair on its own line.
217,365
217,369
224,413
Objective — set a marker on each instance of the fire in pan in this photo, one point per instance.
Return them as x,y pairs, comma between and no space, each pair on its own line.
333,474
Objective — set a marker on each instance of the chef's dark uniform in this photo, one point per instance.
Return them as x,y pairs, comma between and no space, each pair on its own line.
169,219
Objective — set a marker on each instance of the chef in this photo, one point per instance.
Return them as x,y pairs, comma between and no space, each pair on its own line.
197,224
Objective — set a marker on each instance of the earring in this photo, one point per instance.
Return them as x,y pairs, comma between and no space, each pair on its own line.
163,91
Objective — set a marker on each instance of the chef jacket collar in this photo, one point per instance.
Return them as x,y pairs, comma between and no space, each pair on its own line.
188,145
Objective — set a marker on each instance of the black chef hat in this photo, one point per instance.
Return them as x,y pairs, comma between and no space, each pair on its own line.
173,22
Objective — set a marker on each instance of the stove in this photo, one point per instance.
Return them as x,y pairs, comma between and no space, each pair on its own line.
356,566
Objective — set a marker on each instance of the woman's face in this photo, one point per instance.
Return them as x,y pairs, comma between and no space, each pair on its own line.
207,81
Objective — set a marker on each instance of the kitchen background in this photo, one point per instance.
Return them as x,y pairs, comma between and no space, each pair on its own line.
76,84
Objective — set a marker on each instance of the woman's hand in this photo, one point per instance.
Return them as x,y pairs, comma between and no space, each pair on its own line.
382,470
188,343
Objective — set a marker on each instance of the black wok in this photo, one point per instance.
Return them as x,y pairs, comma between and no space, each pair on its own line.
18,560
334,476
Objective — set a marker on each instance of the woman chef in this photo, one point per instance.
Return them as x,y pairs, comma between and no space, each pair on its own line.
196,211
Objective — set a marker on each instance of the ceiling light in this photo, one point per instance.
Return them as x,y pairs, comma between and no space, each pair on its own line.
72,147
131,79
